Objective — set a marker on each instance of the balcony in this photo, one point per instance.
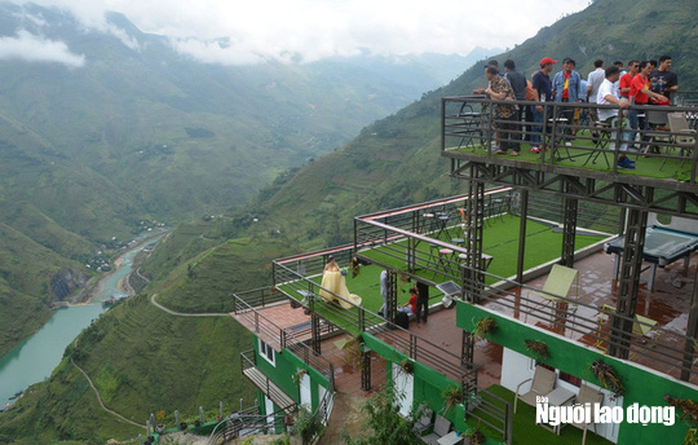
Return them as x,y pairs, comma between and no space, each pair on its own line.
264,384
587,152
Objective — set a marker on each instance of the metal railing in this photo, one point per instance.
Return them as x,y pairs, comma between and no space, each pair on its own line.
664,350
358,319
244,423
268,387
469,127
396,235
282,338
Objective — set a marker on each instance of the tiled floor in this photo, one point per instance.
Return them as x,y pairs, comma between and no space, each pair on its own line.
268,321
668,304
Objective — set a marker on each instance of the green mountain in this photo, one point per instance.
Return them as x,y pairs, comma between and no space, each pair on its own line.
392,162
118,128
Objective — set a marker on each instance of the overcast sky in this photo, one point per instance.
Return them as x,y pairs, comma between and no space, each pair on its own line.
312,29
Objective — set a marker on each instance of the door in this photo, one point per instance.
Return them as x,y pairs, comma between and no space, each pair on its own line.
306,398
269,411
404,388
321,394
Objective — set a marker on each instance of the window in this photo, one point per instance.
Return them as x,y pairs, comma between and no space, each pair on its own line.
267,352
569,378
563,376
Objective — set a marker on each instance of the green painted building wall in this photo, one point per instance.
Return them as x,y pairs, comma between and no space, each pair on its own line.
641,386
286,366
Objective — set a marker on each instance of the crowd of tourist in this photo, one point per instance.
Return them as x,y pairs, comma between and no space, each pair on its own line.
645,82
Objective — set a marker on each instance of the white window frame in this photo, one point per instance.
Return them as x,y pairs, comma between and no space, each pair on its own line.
267,352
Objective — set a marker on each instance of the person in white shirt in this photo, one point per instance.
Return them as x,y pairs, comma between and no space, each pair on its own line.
609,95
594,82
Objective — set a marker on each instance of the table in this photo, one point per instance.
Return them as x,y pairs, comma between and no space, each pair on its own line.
450,439
558,397
662,247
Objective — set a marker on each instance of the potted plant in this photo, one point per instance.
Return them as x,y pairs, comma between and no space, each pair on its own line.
484,326
608,377
537,349
452,396
689,416
475,437
407,366
298,376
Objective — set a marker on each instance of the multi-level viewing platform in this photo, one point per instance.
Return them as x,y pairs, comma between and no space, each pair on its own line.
557,274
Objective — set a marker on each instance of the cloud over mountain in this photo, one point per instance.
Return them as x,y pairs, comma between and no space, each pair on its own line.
32,48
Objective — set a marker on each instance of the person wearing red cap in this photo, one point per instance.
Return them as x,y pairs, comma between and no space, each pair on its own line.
542,92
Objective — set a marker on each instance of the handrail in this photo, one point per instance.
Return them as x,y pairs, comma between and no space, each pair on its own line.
469,128
364,320
286,339
568,319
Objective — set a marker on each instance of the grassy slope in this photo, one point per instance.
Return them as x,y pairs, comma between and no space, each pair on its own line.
144,360
25,269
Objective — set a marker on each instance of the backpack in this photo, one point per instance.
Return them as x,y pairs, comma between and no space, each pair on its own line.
402,320
529,90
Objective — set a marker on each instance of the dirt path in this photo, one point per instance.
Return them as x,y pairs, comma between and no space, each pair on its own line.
99,398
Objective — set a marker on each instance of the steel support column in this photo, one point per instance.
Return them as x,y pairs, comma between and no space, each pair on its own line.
692,332
315,327
631,267
522,236
467,349
474,279
569,230
366,369
391,306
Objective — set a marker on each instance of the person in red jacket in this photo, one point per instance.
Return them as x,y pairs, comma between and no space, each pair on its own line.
640,94
411,306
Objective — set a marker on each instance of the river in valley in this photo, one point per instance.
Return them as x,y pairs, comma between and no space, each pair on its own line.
34,359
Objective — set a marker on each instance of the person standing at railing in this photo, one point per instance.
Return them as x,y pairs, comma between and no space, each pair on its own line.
384,292
640,94
608,95
542,92
624,87
504,115
422,310
663,81
518,84
567,87
594,80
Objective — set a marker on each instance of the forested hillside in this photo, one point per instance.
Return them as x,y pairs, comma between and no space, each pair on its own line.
118,128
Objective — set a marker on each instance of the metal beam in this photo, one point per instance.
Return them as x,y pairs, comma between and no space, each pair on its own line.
692,332
467,349
631,267
474,279
679,201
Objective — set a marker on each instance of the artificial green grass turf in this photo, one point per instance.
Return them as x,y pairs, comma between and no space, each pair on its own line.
525,430
500,241
649,167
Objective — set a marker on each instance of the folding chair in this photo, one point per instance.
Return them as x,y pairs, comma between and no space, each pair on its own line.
642,327
559,283
587,396
425,420
442,426
681,135
603,131
542,383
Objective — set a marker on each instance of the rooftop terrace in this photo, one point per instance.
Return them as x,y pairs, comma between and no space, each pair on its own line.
586,151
